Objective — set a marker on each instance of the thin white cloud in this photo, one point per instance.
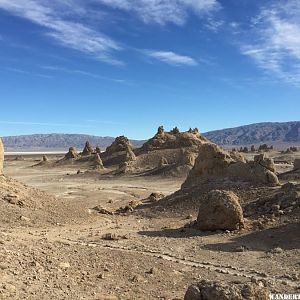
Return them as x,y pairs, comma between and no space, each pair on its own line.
164,11
277,46
42,124
24,72
172,58
52,16
81,72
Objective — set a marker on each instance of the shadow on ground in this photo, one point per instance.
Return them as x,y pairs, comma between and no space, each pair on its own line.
285,236
176,233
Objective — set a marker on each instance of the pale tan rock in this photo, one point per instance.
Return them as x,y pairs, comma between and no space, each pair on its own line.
72,153
220,210
216,164
88,149
1,156
297,164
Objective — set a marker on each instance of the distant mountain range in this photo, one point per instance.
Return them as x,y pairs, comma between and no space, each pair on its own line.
56,142
277,134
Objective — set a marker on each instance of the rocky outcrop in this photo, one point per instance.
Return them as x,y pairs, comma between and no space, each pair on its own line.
264,161
163,162
170,153
130,156
173,140
276,203
124,168
119,152
187,158
297,164
98,164
98,150
1,157
88,149
210,290
72,153
220,210
216,164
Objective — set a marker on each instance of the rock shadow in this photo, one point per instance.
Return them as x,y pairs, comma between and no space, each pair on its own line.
285,237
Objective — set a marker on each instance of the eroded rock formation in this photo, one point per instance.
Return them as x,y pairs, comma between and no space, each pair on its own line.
72,153
88,149
216,164
118,152
173,140
297,164
1,157
98,164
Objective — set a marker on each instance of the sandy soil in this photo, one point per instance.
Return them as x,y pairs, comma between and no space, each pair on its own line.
81,254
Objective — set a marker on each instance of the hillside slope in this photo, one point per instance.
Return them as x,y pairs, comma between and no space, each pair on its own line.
271,133
55,141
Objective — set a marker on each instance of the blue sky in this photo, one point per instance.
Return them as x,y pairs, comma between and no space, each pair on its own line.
112,67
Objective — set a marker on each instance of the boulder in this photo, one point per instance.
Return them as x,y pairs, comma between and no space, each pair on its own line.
1,157
72,153
154,197
220,210
88,149
210,290
297,164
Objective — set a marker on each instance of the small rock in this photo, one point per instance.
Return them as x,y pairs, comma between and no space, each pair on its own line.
241,249
151,271
276,250
136,278
64,265
102,210
110,237
23,218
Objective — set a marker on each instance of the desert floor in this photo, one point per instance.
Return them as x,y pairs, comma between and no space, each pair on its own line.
147,257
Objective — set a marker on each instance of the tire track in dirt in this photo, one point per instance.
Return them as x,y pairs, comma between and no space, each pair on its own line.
223,269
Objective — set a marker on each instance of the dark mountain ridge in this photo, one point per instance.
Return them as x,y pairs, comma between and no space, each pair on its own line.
270,132
273,133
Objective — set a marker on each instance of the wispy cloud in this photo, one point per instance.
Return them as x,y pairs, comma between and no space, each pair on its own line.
43,124
164,11
52,15
277,46
172,58
82,73
24,72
